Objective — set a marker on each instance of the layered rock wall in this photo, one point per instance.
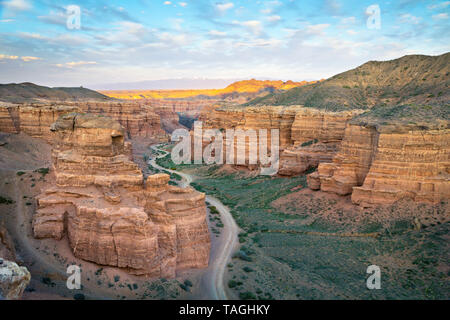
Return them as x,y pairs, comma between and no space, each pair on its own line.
109,214
35,119
381,166
316,136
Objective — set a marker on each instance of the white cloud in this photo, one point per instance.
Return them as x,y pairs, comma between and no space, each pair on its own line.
17,5
183,4
274,18
409,18
28,58
442,5
217,33
254,26
348,20
316,29
25,58
167,3
440,16
8,57
223,7
73,64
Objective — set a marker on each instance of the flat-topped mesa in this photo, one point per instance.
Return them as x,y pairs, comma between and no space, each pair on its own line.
382,162
316,136
110,216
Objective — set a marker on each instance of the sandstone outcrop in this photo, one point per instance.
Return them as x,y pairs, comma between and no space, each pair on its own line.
316,136
9,118
382,164
35,119
254,118
13,280
109,214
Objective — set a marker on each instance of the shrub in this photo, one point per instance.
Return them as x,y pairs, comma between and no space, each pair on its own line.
247,296
5,200
247,269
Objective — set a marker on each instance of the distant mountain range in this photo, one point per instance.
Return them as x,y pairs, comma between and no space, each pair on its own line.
167,84
417,79
245,89
30,92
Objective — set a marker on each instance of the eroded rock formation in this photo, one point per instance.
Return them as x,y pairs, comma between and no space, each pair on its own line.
35,119
109,215
316,136
13,280
380,165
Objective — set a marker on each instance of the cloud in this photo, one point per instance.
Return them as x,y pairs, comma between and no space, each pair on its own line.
409,18
183,4
73,64
17,5
223,7
274,18
439,5
28,58
167,3
253,26
440,16
217,33
25,58
7,57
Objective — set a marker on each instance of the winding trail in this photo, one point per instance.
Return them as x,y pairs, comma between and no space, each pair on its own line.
213,278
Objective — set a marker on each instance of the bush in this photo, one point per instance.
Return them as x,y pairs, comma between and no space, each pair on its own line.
20,173
43,171
247,296
5,200
247,269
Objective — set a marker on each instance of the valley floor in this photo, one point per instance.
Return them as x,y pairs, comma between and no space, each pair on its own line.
300,244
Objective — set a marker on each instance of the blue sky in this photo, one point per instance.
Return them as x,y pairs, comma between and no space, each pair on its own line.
128,41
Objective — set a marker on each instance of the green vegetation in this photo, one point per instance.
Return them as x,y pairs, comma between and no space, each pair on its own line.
285,247
4,200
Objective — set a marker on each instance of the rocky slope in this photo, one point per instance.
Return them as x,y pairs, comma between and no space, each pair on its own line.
411,79
13,278
109,214
31,93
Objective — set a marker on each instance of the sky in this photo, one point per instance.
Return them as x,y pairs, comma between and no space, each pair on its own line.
132,41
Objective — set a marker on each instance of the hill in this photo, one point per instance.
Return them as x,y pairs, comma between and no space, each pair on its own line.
30,92
416,79
251,88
